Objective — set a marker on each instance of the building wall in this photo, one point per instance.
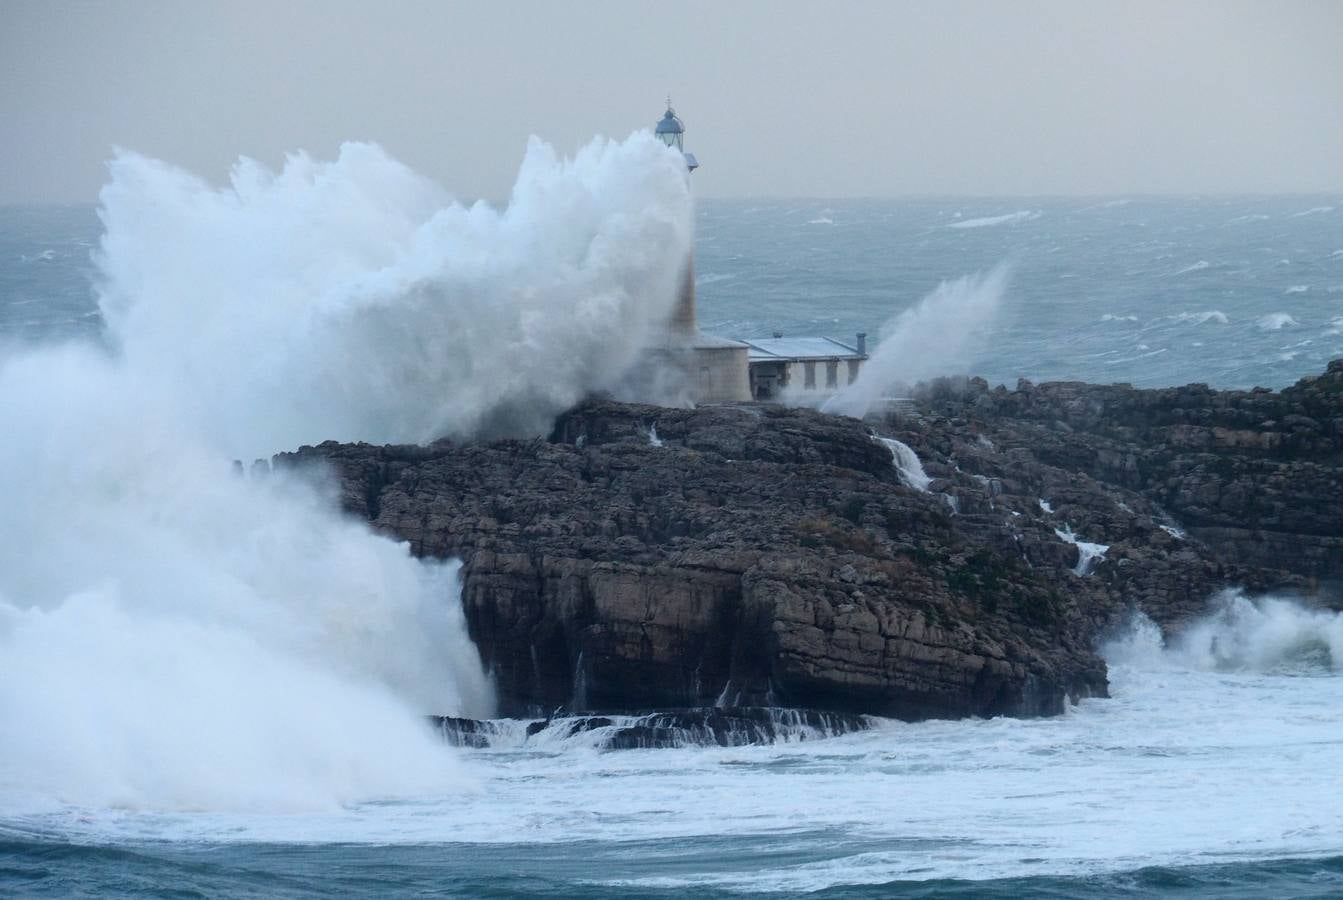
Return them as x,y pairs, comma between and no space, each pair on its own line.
712,374
796,382
721,374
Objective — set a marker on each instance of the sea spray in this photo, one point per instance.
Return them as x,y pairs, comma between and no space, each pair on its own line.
938,336
353,300
177,636
1239,633
173,635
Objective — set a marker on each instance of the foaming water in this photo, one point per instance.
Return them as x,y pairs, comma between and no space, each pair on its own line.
907,463
1161,775
176,636
1089,554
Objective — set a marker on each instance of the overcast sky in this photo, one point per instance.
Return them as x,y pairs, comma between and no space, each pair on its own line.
786,97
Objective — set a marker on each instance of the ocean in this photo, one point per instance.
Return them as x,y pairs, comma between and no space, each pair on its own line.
1215,770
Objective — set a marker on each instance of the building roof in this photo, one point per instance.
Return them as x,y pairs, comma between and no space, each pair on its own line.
801,348
699,340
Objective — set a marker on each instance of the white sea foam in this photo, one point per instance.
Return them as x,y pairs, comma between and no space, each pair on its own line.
1313,211
1253,217
1025,215
1297,289
175,636
1111,317
940,335
1276,321
822,220
1232,756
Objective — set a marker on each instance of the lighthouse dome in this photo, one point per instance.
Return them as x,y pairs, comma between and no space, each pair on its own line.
669,124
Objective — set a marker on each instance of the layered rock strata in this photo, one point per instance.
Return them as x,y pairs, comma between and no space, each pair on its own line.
648,558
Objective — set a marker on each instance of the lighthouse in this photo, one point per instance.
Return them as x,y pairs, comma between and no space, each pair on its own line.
714,369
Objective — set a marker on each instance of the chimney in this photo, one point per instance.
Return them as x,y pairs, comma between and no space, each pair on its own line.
862,343
683,316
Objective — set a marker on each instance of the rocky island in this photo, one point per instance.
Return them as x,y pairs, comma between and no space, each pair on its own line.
962,555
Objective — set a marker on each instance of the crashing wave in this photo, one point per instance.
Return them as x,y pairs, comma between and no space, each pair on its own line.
190,638
1269,635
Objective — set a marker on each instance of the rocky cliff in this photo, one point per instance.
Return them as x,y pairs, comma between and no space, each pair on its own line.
644,558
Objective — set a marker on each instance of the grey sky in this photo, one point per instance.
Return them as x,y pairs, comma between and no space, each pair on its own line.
789,97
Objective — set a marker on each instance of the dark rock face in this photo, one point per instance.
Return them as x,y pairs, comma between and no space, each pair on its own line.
647,558
1254,475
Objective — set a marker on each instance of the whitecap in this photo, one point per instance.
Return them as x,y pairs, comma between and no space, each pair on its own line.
712,277
1025,215
1111,317
1196,267
1198,318
1297,289
1313,211
1275,321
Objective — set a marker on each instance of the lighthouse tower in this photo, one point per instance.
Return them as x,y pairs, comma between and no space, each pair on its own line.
714,369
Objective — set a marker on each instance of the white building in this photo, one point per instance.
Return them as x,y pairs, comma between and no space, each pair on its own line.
803,366
707,369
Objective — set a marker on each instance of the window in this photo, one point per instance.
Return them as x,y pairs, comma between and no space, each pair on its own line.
832,374
809,375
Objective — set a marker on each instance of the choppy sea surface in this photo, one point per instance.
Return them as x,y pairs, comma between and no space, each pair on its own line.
1215,770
